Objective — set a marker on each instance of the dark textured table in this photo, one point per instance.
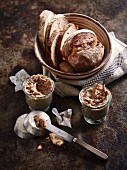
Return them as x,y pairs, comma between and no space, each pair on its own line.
18,26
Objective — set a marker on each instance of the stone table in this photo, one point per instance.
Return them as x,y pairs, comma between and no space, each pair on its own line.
18,26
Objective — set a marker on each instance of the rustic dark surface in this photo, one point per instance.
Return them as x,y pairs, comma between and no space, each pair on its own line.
18,26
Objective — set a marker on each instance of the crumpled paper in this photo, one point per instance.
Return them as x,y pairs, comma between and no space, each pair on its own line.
19,78
63,118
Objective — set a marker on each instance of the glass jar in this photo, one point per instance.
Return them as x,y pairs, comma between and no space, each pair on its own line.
42,101
94,115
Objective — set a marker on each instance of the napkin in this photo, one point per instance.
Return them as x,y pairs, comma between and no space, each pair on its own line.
63,118
114,69
19,78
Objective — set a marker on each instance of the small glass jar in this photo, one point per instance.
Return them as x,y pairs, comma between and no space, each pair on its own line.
39,102
94,115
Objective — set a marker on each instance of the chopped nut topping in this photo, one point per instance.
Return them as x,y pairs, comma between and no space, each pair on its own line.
38,85
39,121
39,147
95,96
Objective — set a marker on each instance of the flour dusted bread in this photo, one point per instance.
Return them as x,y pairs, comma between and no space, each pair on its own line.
67,45
83,51
59,24
68,48
45,20
57,40
86,60
68,32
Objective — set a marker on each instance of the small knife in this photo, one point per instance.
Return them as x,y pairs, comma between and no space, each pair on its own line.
66,136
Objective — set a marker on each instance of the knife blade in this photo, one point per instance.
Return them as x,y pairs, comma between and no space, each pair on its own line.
66,136
61,133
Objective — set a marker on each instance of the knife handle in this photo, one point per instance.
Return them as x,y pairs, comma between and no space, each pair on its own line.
90,148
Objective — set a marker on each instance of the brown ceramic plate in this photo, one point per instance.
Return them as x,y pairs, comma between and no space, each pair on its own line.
84,22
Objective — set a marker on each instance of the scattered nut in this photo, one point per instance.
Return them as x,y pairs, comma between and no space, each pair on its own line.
40,147
55,139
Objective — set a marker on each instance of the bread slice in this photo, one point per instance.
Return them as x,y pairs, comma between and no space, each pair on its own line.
58,27
71,28
55,139
54,57
66,46
45,19
59,24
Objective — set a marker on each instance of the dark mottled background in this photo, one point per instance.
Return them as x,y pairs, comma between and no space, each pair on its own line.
18,26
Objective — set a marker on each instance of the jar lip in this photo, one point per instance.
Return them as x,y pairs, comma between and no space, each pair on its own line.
43,95
109,97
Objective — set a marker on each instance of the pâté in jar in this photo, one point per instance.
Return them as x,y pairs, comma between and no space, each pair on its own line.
38,90
95,102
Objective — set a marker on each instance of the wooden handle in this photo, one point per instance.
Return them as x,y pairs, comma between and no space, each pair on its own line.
90,148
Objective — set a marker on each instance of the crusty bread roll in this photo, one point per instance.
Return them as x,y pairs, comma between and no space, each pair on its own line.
67,46
83,51
86,60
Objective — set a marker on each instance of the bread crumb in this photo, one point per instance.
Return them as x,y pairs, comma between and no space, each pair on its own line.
40,147
56,140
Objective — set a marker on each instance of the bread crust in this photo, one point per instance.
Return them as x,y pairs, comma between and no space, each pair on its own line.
83,51
45,19
71,28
